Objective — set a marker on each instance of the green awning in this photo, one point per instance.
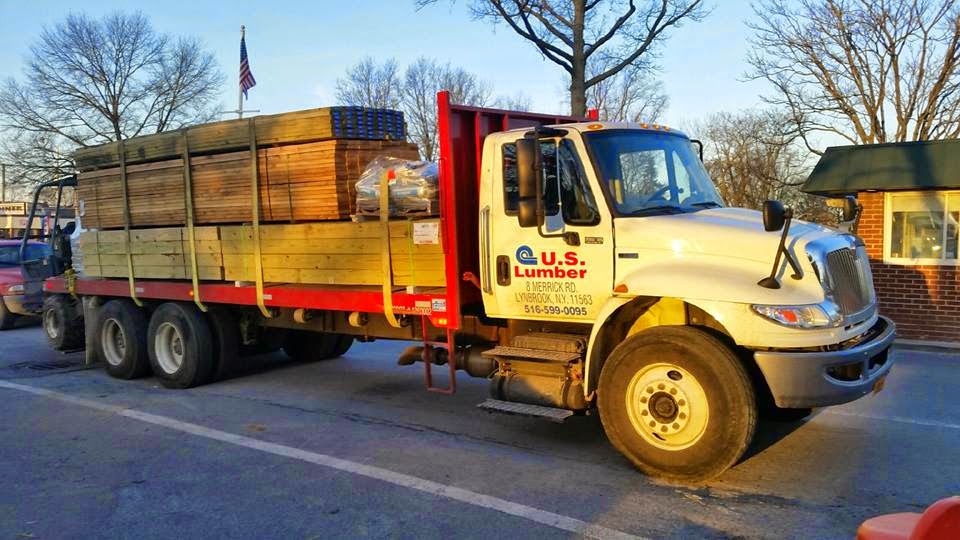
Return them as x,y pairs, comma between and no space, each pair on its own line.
886,167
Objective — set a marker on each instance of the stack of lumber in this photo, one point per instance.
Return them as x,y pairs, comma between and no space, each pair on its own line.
299,182
330,253
157,253
333,253
271,130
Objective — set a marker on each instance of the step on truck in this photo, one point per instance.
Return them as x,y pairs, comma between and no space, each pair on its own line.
591,267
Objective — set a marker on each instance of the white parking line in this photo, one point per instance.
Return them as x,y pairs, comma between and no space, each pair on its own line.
899,419
537,515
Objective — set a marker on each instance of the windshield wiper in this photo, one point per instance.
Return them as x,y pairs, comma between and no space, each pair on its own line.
706,204
659,208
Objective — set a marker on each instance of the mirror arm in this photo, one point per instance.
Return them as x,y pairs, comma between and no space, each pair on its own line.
771,281
699,144
794,264
856,219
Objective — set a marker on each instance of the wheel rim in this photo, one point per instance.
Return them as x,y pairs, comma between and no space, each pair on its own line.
50,325
114,342
168,346
667,406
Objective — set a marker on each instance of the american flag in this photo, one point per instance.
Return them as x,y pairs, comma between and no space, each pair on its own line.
246,76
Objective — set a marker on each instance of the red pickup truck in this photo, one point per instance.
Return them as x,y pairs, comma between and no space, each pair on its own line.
14,300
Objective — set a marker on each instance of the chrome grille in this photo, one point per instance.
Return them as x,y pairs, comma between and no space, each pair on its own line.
850,279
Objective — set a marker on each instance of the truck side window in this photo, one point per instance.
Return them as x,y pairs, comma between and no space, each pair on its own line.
565,185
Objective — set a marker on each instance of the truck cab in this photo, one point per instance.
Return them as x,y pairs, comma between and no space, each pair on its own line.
618,228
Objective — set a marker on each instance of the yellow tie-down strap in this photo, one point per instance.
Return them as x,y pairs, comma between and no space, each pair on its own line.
126,223
255,198
385,258
191,234
71,276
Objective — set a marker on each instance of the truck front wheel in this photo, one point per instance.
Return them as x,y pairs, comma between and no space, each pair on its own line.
677,403
180,344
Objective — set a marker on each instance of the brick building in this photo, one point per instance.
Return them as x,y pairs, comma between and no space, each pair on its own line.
910,198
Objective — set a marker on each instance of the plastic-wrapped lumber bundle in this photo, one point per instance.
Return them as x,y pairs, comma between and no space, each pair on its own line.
412,187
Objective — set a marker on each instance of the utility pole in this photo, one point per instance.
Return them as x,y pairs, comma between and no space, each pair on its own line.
3,182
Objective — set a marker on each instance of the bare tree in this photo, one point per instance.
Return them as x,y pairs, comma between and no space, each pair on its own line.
867,71
514,102
371,84
90,81
575,33
422,79
629,96
752,158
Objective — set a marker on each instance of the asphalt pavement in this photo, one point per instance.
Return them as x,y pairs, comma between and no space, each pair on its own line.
355,447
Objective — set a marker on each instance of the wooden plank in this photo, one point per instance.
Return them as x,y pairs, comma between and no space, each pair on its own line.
284,128
154,272
344,253
159,259
306,182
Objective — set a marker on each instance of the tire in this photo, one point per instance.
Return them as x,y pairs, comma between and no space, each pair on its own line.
693,389
226,343
180,345
343,345
306,346
121,339
62,321
7,318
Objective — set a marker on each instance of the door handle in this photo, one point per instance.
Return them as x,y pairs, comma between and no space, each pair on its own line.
503,270
485,251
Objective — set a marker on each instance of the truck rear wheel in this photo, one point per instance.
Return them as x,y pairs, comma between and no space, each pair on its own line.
306,346
677,403
226,341
62,322
121,339
180,346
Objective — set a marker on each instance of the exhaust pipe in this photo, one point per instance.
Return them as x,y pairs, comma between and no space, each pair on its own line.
468,359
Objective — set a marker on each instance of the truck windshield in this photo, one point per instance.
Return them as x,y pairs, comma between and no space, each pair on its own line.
649,173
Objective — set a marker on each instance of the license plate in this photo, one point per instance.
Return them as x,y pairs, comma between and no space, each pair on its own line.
878,386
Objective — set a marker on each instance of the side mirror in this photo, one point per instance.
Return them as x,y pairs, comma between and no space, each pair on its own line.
848,206
530,183
774,215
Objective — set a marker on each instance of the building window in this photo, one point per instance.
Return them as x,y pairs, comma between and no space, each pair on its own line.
922,227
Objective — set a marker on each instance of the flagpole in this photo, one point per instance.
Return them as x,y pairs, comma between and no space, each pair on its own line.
243,31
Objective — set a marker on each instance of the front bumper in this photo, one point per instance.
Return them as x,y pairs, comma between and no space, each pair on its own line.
817,379
18,304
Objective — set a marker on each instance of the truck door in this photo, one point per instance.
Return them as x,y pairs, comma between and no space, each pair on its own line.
561,271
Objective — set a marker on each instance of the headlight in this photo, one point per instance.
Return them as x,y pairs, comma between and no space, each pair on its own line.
15,289
822,315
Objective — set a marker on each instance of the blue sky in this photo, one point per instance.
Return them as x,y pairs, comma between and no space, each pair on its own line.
298,49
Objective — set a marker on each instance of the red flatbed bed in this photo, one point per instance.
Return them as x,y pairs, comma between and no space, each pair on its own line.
461,133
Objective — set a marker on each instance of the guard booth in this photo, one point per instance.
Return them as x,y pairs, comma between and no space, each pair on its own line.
910,199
